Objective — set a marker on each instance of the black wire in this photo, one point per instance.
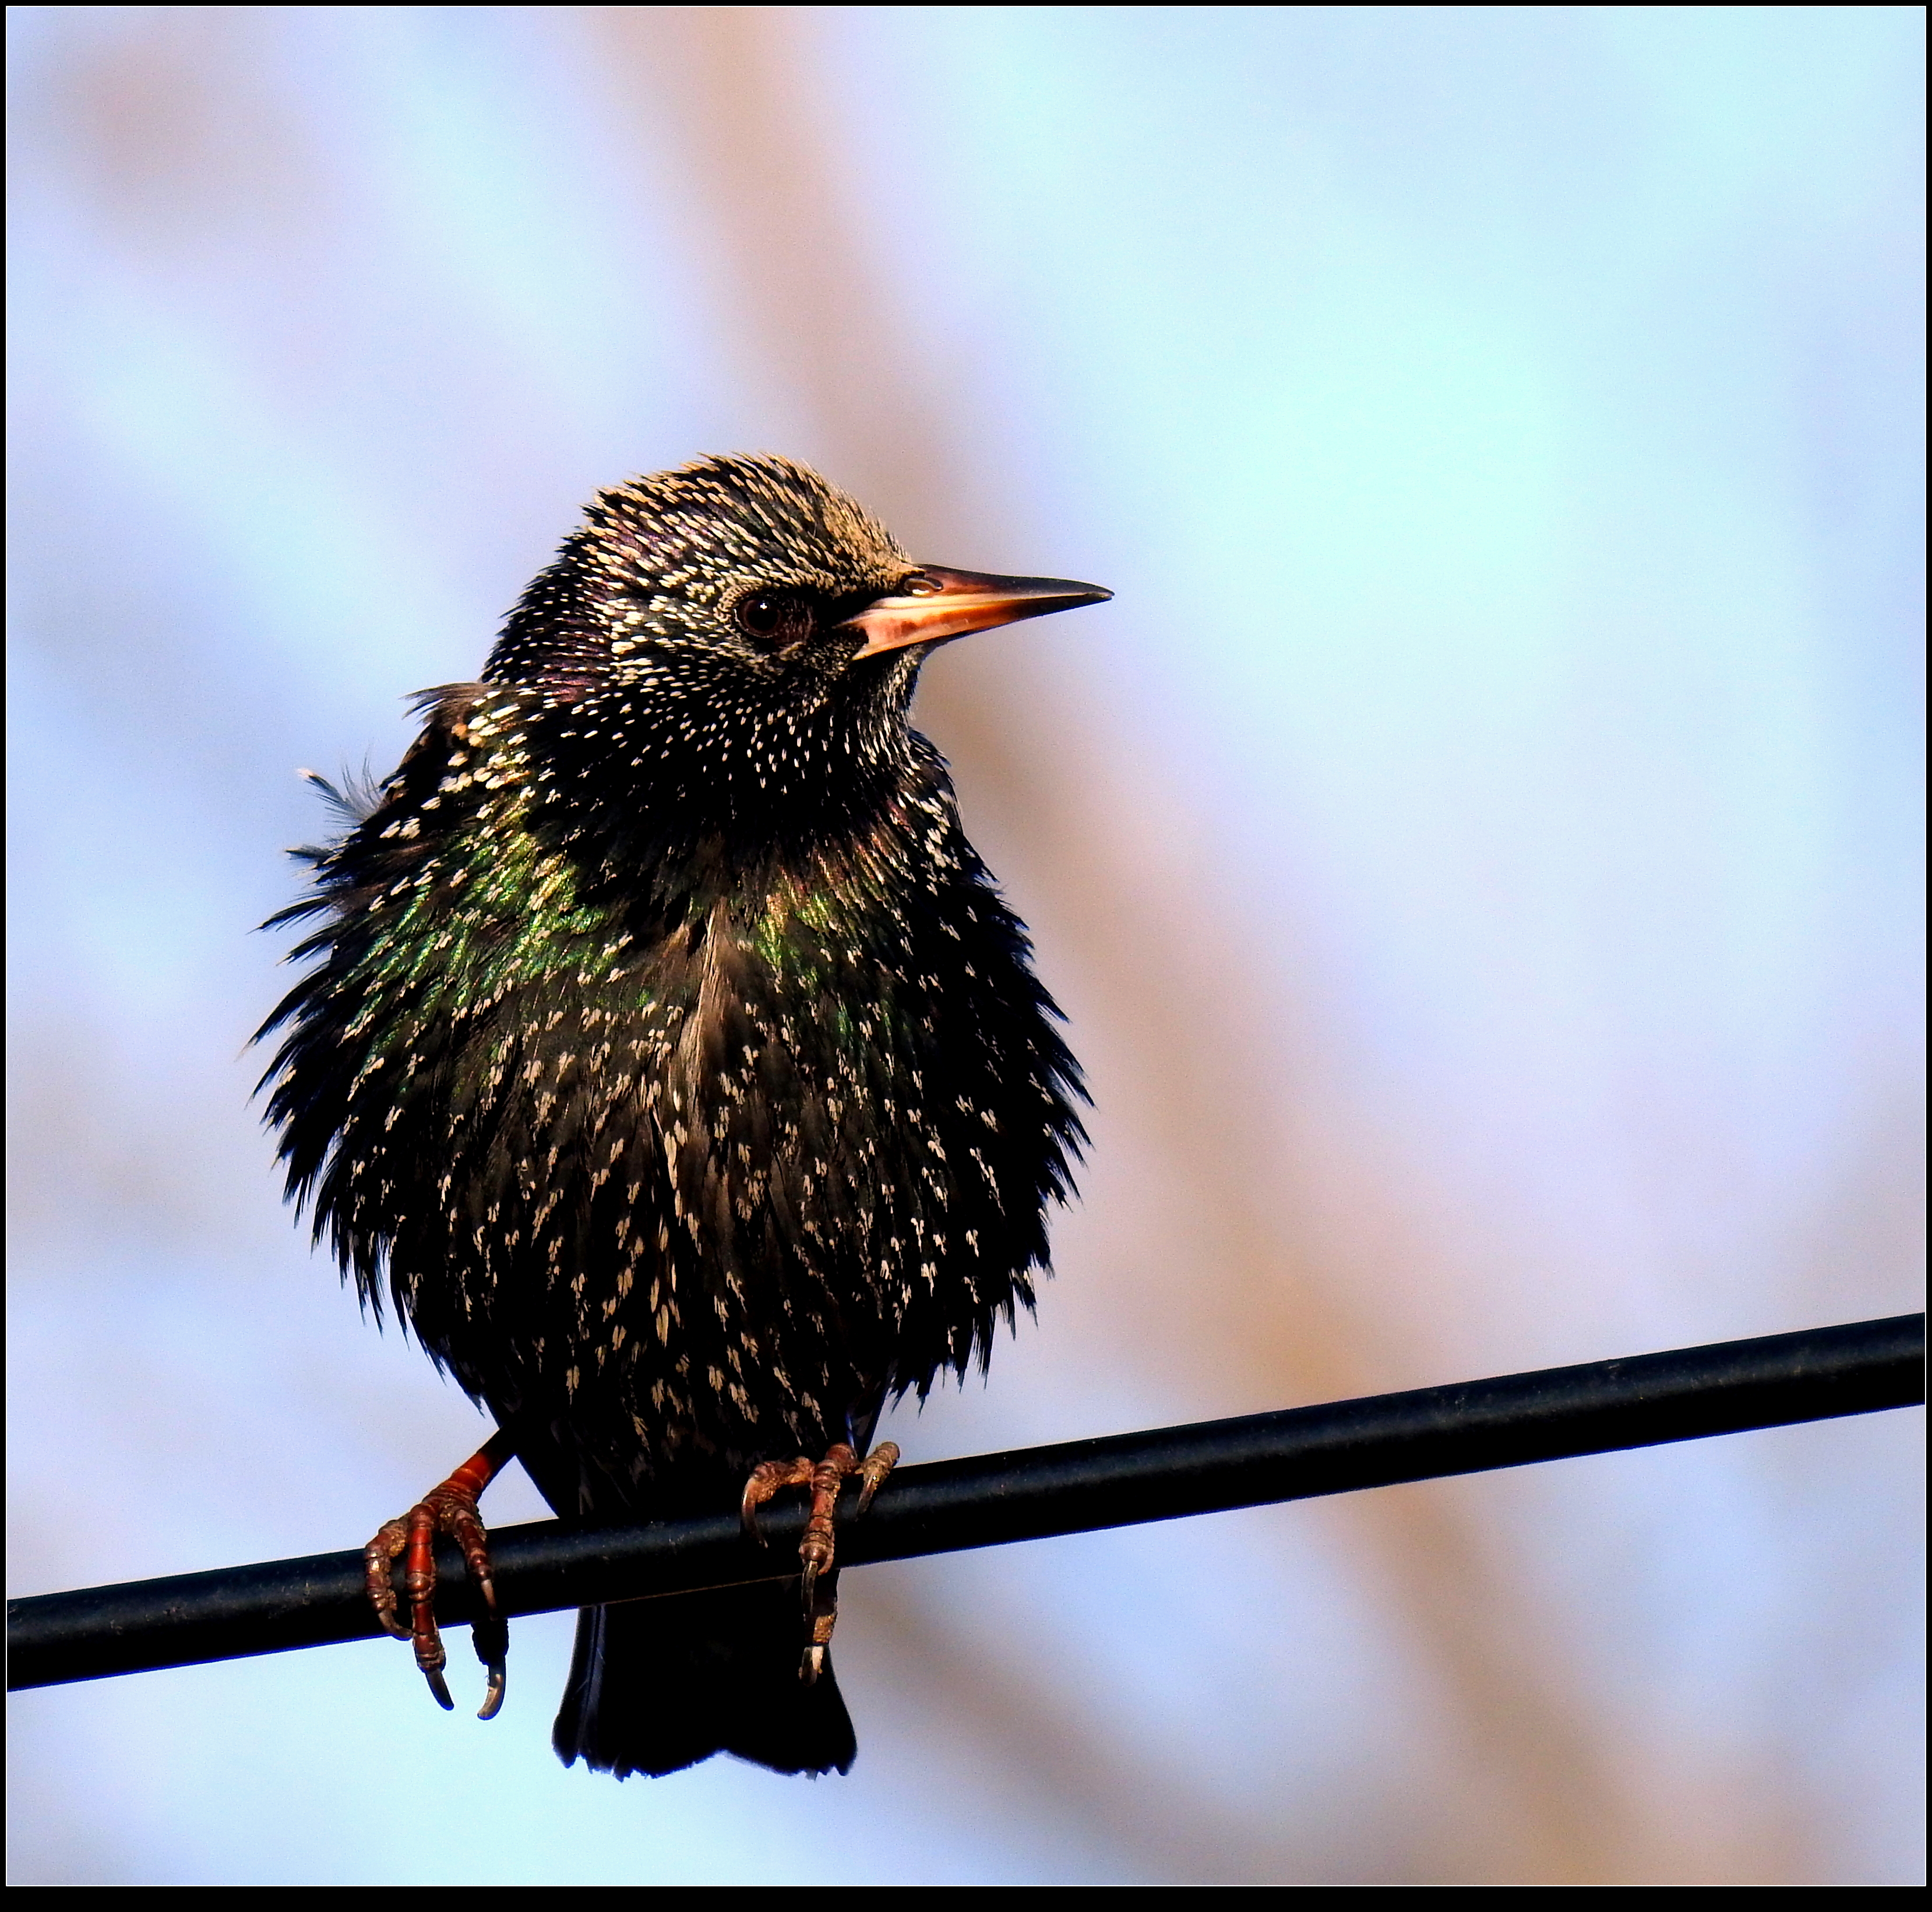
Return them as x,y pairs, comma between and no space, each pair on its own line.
994,1499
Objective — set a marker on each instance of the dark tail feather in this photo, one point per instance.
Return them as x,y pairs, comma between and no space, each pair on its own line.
658,1684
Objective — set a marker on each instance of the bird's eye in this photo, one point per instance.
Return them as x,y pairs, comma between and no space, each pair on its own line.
774,618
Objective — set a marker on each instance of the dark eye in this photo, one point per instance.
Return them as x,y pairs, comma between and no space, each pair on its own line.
774,619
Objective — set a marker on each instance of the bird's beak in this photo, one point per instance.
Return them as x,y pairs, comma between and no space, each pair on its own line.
933,606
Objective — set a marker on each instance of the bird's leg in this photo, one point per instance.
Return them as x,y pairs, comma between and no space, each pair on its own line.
825,1478
449,1509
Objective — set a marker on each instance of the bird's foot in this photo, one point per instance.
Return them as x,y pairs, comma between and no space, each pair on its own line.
826,1478
449,1509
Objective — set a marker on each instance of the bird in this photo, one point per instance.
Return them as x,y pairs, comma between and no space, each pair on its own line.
666,1057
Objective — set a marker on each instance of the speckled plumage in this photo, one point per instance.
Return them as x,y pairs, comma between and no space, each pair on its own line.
667,1056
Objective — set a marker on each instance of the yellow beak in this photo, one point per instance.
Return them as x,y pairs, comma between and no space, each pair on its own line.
933,606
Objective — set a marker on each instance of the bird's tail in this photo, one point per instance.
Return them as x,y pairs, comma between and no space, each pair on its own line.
658,1684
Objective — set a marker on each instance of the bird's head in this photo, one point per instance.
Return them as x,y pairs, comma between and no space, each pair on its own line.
753,581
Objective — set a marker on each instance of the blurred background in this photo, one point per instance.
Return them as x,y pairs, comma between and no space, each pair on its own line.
1478,851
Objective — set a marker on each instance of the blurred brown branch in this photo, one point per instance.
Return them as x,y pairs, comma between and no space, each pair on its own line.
1271,1306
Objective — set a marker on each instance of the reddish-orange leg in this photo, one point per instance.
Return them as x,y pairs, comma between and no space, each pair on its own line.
449,1509
825,1478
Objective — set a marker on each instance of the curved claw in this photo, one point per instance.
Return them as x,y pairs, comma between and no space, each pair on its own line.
377,1558
765,1481
821,1613
872,1472
439,1687
494,1699
748,1513
491,1639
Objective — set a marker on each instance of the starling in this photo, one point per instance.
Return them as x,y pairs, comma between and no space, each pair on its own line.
668,1056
